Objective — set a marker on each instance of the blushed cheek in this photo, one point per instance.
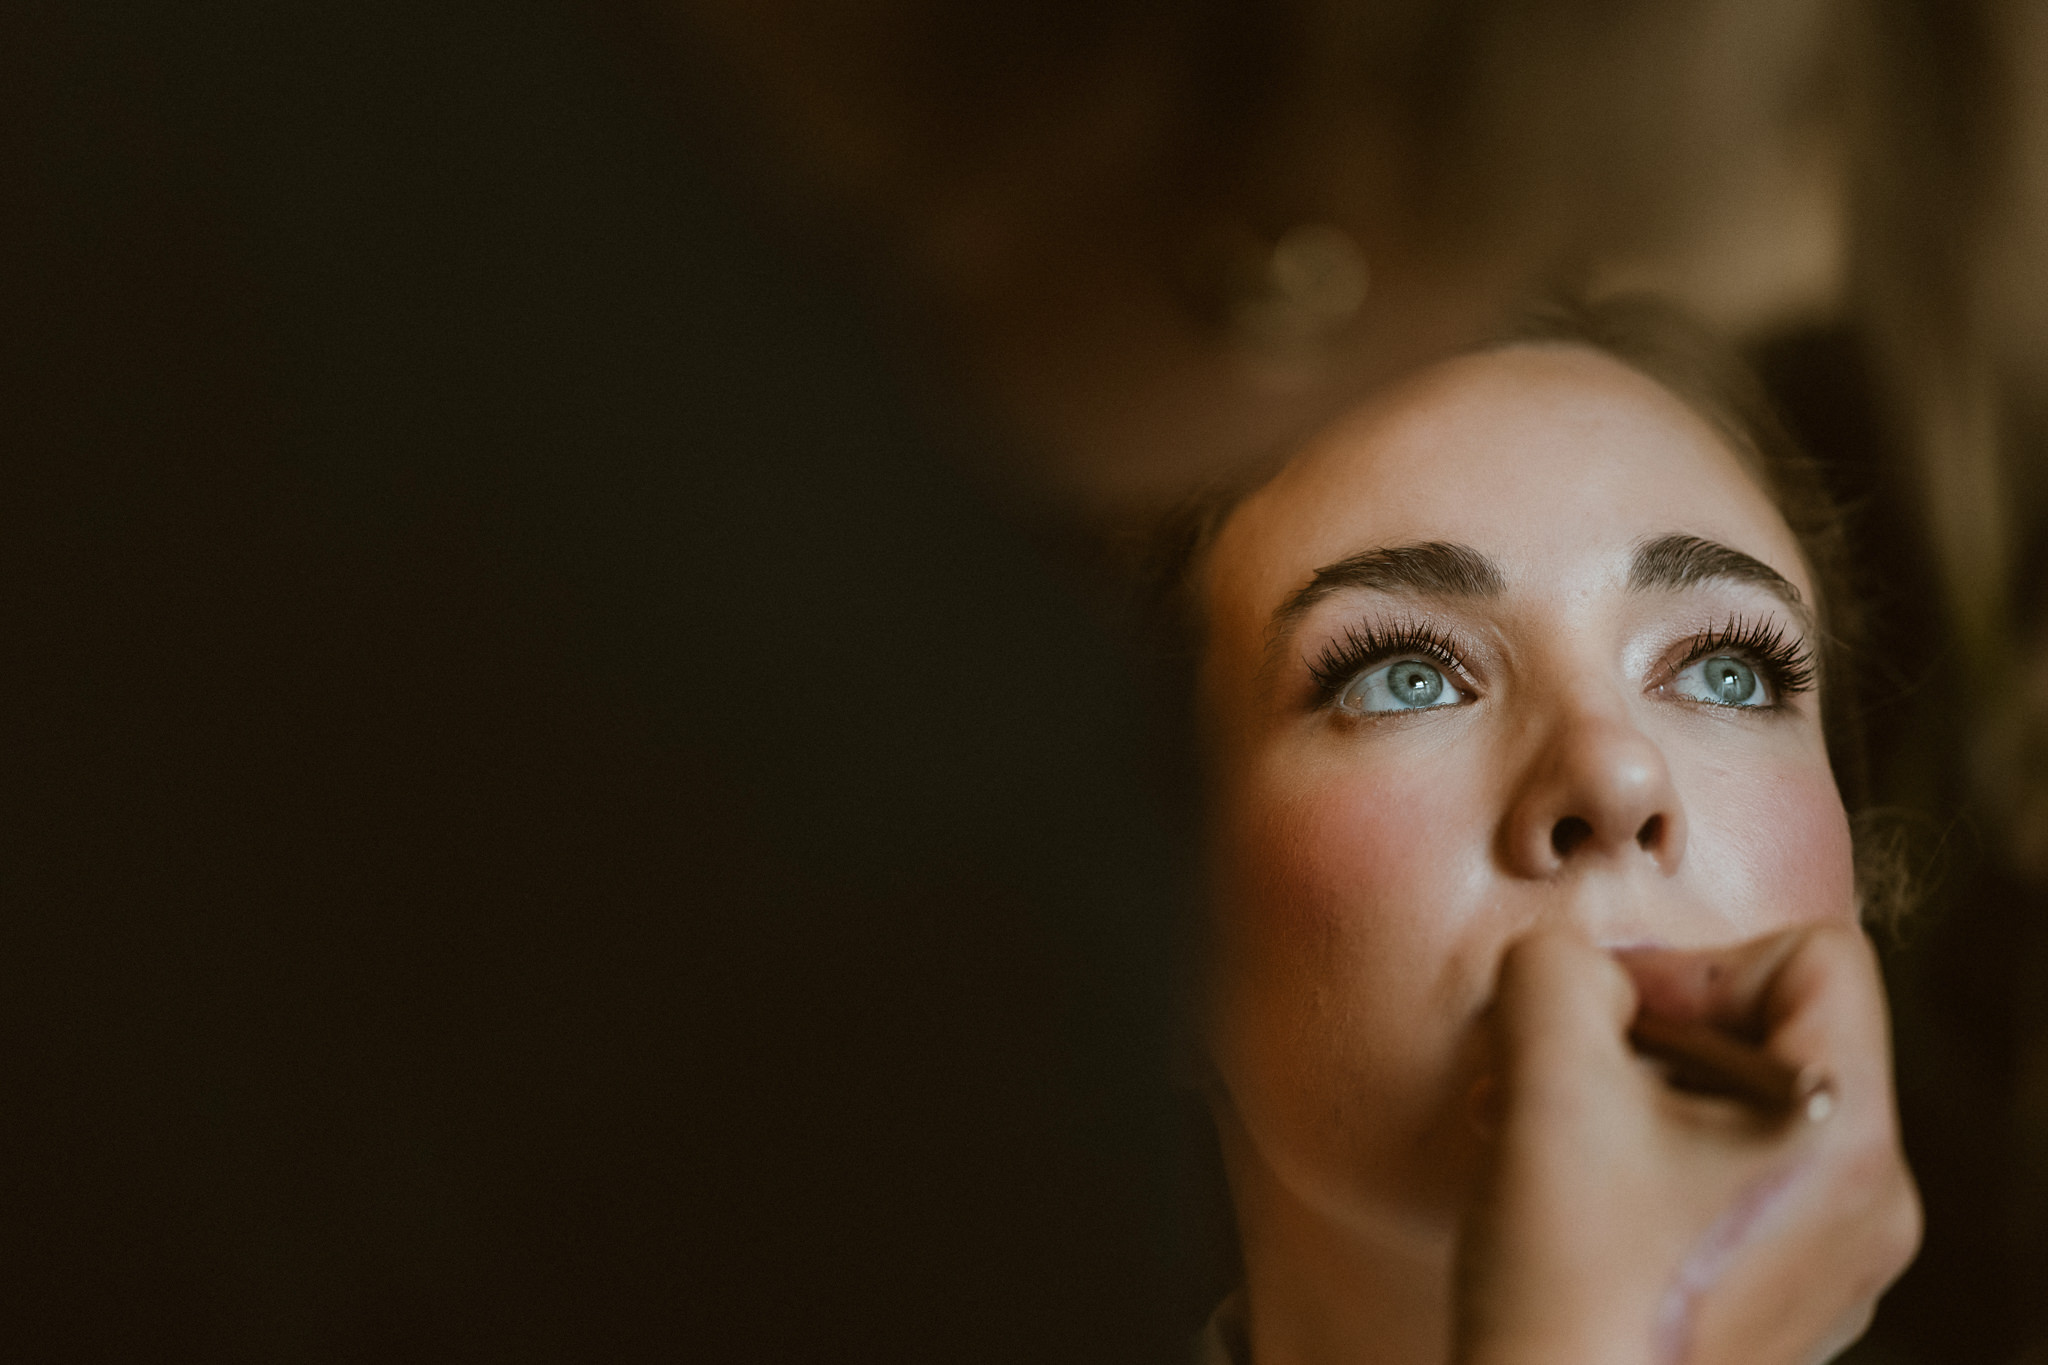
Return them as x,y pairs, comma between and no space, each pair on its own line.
1796,849
1350,892
1352,952
1344,858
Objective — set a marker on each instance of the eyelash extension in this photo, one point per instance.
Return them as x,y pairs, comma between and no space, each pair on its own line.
1785,663
1361,647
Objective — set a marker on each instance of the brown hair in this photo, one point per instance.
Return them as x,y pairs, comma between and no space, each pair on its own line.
1692,362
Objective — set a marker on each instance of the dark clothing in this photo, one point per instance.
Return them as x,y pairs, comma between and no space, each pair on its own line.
547,817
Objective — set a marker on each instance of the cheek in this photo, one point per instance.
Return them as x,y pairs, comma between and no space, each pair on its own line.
1346,857
1781,847
1351,950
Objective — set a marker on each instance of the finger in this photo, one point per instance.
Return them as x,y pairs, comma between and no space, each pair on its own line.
1811,998
1825,1004
1720,986
1561,1008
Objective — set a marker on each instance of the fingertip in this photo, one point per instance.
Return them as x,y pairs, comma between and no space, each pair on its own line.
1828,988
1676,983
1559,969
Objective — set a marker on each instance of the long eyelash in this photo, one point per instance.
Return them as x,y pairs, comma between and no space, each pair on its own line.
1786,663
1361,647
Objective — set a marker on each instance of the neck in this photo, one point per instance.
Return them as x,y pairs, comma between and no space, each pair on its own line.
1323,1291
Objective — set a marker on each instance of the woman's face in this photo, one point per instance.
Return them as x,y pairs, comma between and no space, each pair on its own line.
1521,642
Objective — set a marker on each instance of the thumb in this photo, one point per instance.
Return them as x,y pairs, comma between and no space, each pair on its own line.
1562,1012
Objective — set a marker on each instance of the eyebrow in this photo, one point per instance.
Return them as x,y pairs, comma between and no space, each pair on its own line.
1442,568
1434,568
1677,561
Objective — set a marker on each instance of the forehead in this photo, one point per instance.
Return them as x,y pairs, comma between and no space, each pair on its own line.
1555,460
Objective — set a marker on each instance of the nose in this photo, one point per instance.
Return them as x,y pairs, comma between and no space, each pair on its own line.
1597,793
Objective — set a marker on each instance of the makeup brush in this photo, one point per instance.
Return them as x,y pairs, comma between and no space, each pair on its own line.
1703,1058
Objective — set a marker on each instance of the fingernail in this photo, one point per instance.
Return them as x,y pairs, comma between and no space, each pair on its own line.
1815,1094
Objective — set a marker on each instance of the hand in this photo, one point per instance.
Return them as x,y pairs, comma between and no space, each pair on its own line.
1625,1220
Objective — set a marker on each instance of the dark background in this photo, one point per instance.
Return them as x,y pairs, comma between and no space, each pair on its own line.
544,817
1963,965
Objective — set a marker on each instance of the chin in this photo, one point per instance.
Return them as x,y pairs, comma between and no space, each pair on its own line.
1399,1181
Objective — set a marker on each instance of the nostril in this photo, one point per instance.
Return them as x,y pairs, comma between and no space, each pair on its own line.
1568,834
1652,832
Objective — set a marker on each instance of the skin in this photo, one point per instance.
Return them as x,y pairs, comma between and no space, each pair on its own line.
1374,872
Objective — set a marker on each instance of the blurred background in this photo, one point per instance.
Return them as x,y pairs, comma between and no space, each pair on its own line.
403,276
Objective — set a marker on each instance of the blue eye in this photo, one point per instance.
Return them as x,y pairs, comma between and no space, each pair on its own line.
1404,685
1721,680
1407,666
